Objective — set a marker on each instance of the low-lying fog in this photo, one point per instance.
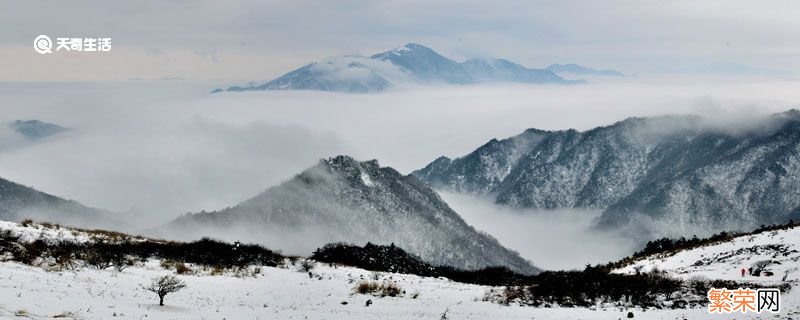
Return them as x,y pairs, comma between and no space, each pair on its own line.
551,239
157,149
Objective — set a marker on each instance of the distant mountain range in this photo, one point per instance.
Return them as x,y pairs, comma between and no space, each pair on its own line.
18,202
35,129
583,71
411,63
678,171
343,200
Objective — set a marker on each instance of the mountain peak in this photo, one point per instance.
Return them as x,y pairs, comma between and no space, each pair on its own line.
412,47
409,49
360,172
347,163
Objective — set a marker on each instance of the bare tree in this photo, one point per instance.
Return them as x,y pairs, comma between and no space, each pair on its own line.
164,285
760,266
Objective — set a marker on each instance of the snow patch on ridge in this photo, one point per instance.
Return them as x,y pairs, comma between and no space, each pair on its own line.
366,180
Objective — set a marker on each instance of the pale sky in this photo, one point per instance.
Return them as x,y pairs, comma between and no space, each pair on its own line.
258,40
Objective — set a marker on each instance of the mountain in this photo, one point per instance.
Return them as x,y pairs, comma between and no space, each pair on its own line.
487,70
679,175
425,65
581,70
411,63
35,129
341,199
332,75
18,202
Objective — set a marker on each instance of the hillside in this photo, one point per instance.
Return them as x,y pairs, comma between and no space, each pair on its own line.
19,202
670,175
344,200
73,289
777,252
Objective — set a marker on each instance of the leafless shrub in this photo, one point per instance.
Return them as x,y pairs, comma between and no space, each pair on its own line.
162,286
383,289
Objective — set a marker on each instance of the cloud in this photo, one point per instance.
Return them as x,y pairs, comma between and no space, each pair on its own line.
553,240
9,138
159,159
168,147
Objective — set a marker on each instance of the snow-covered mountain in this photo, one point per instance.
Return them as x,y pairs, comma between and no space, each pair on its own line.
488,70
685,172
343,74
341,199
411,63
583,71
35,129
425,65
18,202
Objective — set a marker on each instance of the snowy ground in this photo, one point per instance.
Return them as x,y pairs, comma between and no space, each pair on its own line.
273,293
726,260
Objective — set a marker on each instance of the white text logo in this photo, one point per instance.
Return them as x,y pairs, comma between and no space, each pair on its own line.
44,45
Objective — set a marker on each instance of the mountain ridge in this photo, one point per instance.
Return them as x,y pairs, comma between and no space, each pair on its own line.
344,200
679,171
18,202
582,70
411,63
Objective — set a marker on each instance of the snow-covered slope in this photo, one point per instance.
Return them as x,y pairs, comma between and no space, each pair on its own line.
274,293
425,65
343,74
492,70
684,172
724,260
342,199
282,292
778,250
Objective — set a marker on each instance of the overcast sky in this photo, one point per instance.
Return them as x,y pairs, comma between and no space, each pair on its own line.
258,40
